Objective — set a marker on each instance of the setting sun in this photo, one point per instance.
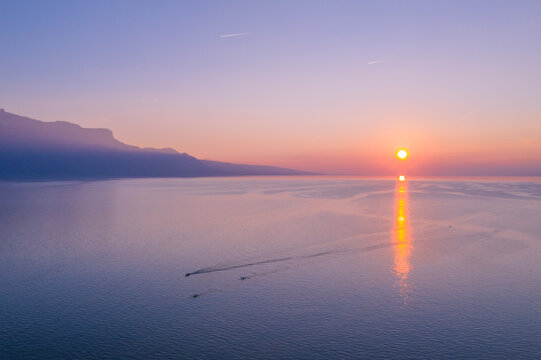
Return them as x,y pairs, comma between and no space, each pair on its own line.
402,154
401,178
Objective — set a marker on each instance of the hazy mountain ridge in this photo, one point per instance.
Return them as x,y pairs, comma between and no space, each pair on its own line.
33,149
26,132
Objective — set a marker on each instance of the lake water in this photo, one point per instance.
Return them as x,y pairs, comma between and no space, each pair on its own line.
300,268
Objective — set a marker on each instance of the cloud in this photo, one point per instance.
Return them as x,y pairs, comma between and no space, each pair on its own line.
374,62
233,35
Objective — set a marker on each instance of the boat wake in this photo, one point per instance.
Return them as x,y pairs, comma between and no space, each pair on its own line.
270,261
212,269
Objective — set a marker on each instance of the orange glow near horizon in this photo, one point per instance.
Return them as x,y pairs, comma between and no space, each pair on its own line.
402,154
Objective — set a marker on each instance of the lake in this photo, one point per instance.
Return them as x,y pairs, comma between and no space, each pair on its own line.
279,267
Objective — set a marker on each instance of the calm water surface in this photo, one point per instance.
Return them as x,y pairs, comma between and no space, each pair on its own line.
301,268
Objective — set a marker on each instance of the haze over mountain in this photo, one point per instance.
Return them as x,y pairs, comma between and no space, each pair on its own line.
33,149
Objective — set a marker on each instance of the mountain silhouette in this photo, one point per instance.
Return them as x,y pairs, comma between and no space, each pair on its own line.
33,149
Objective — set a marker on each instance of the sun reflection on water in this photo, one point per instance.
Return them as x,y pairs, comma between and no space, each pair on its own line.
402,241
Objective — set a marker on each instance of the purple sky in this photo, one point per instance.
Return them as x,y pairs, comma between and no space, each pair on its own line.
330,86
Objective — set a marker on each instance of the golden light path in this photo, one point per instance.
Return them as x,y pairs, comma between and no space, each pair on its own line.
402,241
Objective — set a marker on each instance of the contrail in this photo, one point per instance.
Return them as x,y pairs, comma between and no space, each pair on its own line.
373,62
233,35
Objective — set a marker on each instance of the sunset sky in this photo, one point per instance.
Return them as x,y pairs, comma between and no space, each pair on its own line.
327,86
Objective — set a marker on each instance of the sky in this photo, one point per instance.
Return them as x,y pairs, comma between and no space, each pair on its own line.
326,86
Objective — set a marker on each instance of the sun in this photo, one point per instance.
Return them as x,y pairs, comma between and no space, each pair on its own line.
401,154
402,178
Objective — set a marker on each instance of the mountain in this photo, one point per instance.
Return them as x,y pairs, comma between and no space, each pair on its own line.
33,149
